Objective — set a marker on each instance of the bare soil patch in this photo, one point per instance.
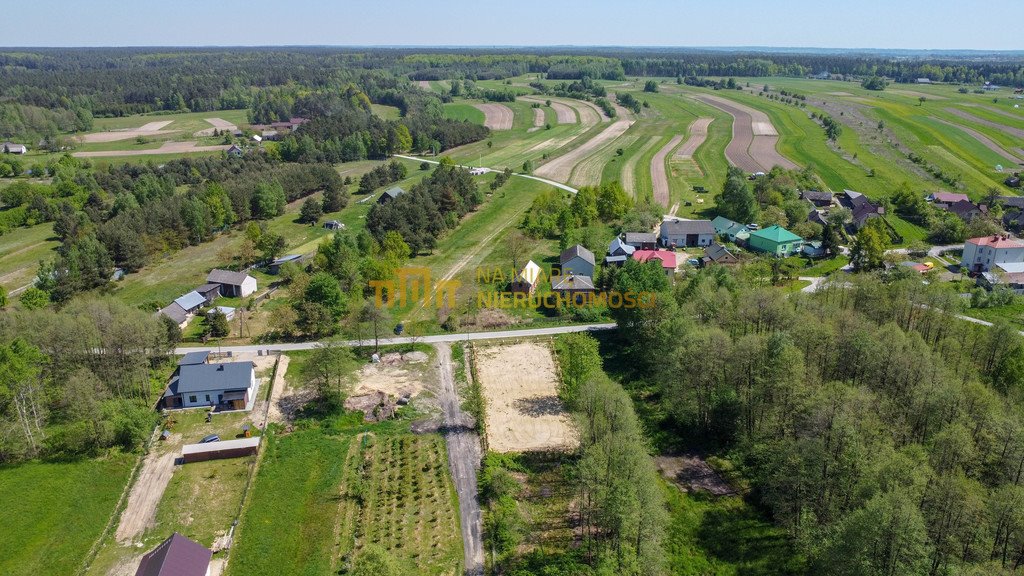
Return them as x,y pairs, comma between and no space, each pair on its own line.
218,124
424,85
914,94
659,178
629,169
590,114
560,169
538,119
985,141
522,409
166,148
692,473
140,511
563,112
698,134
1001,127
496,116
149,129
754,138
838,93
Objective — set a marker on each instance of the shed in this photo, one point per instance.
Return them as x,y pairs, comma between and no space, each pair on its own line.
390,194
12,148
209,291
334,225
176,556
642,240
232,283
227,311
573,286
176,313
682,232
275,266
190,302
619,247
220,450
193,358
718,254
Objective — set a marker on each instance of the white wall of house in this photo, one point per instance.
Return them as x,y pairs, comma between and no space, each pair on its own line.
578,266
982,258
680,239
248,286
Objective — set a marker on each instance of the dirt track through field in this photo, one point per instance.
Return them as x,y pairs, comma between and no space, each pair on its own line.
659,178
521,406
752,148
496,116
1001,127
560,169
563,112
166,148
218,124
149,129
985,141
140,511
698,134
629,170
538,119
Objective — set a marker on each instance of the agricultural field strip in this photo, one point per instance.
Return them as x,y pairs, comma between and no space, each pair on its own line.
496,116
588,171
659,177
984,140
563,112
629,169
150,129
166,148
538,119
1016,132
753,145
561,167
698,133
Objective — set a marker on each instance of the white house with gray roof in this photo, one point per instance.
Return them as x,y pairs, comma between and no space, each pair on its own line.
223,385
577,260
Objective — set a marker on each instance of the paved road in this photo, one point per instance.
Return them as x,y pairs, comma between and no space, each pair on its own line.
435,339
463,461
537,178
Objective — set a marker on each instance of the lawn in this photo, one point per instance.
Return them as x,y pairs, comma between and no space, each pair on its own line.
54,512
21,249
465,112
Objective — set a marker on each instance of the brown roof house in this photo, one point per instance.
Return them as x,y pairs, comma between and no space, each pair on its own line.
526,280
176,556
718,254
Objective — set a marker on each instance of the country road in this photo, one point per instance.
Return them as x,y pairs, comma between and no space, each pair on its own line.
435,339
463,461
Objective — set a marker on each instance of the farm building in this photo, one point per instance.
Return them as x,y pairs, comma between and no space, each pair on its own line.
967,210
390,194
334,225
642,240
664,257
573,286
981,254
775,240
193,358
681,232
209,291
818,198
526,280
12,148
734,231
947,197
176,556
224,385
577,260
819,217
718,254
234,150
220,450
861,208
227,311
275,266
176,313
619,247
232,283
183,307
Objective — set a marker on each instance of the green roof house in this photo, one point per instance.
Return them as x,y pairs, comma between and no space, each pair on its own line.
732,230
775,240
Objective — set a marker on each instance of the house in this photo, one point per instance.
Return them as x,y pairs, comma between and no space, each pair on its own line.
718,254
224,385
850,199
227,311
819,217
967,210
681,232
1008,274
12,148
577,260
193,358
665,257
236,448
209,292
390,194
734,231
642,240
176,556
234,150
232,283
275,266
619,247
864,212
176,313
334,225
775,240
575,286
526,280
818,198
947,197
980,254
181,310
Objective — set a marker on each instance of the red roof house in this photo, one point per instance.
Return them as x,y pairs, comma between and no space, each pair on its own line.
667,258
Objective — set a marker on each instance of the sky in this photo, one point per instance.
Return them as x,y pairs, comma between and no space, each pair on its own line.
913,24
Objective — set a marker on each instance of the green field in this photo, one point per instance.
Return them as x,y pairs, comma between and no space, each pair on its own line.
43,500
464,112
20,252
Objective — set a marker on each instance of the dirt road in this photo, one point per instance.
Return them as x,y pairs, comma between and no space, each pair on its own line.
273,412
463,461
754,138
659,177
140,511
496,116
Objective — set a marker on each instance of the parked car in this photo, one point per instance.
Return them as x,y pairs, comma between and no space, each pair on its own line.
210,438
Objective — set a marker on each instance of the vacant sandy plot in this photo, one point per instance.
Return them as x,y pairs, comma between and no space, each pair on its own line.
522,409
629,170
914,94
424,85
560,168
752,147
698,134
538,119
166,148
150,129
218,124
1001,127
985,141
496,116
395,375
659,179
140,511
563,112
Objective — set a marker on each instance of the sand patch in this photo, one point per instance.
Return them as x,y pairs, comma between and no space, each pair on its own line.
390,376
219,125
149,129
522,409
496,116
692,473
763,129
166,148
